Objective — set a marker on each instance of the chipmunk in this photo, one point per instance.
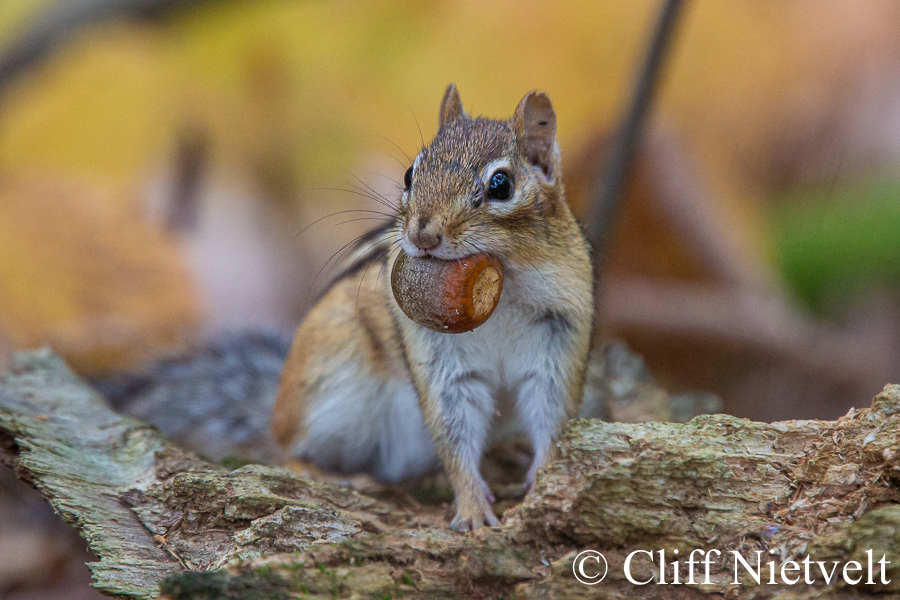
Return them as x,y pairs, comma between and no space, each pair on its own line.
366,389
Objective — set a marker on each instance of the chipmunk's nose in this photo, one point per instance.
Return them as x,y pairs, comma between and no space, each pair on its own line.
422,236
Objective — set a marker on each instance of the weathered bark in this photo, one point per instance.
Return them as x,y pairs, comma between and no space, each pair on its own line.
156,514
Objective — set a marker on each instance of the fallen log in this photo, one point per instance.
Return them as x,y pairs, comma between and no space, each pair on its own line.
164,522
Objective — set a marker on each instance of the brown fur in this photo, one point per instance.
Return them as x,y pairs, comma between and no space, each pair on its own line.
358,331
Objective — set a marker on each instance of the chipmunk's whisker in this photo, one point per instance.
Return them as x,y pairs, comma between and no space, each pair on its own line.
381,219
380,238
464,221
361,279
389,178
471,247
398,148
370,190
419,127
343,249
392,249
343,212
364,195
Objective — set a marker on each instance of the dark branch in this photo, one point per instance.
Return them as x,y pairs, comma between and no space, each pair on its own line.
610,175
66,17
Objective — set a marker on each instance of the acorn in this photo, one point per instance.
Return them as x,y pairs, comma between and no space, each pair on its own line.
448,296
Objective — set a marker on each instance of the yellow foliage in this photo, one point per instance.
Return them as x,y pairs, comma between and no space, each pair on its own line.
109,101
294,95
84,275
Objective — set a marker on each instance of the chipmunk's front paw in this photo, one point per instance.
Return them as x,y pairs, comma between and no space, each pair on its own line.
473,515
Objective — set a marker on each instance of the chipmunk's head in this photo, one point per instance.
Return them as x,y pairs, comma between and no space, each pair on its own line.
483,185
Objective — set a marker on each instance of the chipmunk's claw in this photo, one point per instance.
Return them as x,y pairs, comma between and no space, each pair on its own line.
487,493
461,524
474,516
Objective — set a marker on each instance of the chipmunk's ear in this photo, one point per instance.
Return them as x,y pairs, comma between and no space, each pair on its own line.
451,107
535,125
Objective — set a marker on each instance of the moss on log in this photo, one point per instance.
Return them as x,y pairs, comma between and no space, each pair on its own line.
164,522
146,508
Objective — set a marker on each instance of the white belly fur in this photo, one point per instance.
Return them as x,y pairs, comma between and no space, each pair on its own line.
361,424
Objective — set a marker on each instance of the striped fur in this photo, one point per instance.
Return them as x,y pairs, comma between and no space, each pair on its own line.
365,388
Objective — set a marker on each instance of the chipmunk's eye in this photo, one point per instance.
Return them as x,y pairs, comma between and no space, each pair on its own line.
500,186
407,179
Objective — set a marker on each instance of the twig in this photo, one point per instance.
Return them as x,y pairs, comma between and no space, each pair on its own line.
610,175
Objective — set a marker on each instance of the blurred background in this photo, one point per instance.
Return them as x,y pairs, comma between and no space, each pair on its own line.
159,167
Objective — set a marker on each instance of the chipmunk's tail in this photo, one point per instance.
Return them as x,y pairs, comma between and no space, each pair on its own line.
215,399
